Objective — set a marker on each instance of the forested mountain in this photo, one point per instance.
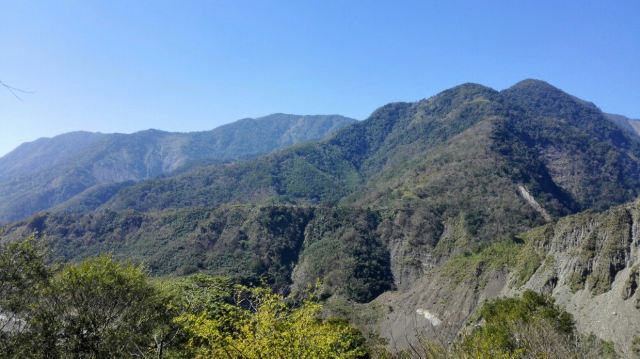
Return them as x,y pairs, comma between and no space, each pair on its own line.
413,214
524,135
42,174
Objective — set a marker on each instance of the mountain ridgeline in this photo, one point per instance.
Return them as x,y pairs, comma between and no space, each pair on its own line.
87,167
531,135
421,208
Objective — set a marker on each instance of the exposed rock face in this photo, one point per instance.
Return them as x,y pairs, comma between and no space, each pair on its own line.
588,262
435,306
532,201
590,265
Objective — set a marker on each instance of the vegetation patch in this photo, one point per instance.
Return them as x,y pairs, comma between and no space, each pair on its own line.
468,265
101,308
528,261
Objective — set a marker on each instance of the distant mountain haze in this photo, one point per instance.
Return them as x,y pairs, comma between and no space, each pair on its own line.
47,172
624,122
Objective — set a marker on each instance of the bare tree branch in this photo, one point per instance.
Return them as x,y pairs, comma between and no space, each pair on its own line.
14,90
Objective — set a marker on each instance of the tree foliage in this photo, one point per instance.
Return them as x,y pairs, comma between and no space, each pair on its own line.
101,308
22,276
260,324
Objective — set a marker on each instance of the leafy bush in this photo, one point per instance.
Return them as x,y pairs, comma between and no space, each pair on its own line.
256,323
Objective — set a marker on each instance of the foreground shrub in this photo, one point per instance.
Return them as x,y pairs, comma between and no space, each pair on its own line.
263,325
101,308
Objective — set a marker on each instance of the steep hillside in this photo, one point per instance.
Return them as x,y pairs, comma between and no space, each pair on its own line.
468,166
250,244
511,158
42,174
590,263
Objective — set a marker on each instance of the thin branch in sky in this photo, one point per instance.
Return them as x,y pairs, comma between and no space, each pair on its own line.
14,90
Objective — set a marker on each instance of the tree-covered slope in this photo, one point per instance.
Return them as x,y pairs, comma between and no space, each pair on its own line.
513,157
426,198
444,175
44,173
322,172
249,243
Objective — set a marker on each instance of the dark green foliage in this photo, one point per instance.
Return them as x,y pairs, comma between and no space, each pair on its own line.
100,308
561,127
342,250
22,276
508,327
97,309
253,245
462,152
529,308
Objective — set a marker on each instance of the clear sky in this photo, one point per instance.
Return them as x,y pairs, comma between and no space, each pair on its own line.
123,66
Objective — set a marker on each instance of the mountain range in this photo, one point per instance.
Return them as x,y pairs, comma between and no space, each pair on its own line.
421,211
50,171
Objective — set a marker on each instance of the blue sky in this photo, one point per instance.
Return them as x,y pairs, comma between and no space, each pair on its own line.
123,66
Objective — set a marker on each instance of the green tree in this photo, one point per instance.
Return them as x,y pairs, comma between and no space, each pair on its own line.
98,309
23,275
192,295
257,323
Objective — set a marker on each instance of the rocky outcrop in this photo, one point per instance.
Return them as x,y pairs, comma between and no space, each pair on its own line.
589,262
590,266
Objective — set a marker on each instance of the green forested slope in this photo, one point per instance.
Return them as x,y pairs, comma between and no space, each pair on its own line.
417,207
451,154
447,174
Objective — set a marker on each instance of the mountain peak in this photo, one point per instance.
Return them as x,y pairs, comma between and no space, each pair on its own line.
527,83
534,87
472,86
544,97
459,94
468,88
75,162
